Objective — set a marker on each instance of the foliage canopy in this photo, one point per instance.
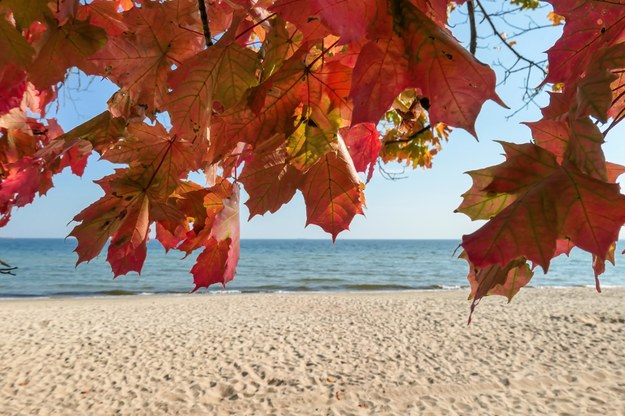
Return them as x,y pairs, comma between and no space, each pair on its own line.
288,95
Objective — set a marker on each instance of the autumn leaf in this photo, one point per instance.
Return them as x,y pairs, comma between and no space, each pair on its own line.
326,92
455,82
381,71
332,191
480,204
56,55
13,86
304,14
210,264
202,205
594,95
218,76
559,104
97,223
270,181
551,135
584,148
103,13
27,11
617,109
364,145
497,280
437,10
559,202
269,110
310,141
227,228
217,263
122,215
102,132
16,50
127,249
161,159
281,42
23,174
140,60
613,171
590,27
348,19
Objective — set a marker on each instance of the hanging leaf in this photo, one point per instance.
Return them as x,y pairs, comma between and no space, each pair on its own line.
56,55
560,202
364,145
218,76
270,181
381,60
332,191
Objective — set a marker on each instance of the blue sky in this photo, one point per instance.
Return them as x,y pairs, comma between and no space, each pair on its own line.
420,206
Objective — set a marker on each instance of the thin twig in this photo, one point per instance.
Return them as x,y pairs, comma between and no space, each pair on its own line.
473,42
391,176
619,117
514,51
409,138
207,31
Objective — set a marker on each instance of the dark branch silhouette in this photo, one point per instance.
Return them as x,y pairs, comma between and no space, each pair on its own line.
205,27
6,268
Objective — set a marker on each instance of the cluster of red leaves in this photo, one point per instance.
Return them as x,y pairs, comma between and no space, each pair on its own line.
557,192
286,99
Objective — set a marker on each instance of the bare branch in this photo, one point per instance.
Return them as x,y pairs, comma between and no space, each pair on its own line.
389,175
6,268
473,41
617,119
516,53
204,16
409,138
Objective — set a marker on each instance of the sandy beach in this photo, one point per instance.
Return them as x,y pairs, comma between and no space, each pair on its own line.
551,351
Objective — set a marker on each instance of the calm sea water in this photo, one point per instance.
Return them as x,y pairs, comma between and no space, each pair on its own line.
46,268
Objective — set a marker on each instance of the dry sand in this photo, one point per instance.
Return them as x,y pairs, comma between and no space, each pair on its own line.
410,353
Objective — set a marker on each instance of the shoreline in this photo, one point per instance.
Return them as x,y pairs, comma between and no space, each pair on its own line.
230,292
554,351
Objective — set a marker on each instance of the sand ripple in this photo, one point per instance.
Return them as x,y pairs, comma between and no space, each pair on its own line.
548,352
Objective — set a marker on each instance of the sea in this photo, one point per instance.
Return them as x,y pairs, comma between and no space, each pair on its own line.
46,268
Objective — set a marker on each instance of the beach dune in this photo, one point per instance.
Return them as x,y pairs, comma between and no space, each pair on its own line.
551,351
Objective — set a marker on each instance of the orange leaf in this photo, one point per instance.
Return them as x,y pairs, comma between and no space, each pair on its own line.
270,181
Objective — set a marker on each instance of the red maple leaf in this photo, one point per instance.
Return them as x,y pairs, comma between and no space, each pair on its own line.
332,191
140,59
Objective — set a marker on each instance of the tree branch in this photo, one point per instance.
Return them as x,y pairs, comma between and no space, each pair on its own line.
514,51
6,268
204,16
409,138
389,175
473,41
